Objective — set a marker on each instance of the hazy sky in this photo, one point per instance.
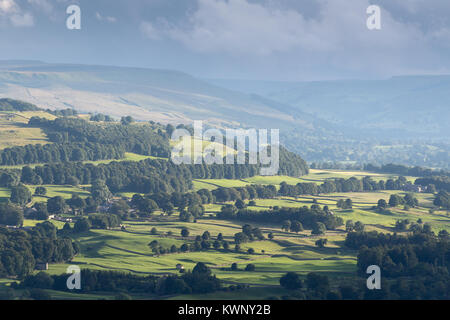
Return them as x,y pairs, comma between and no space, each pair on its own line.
250,39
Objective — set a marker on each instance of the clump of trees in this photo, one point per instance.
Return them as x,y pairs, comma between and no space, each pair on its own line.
20,249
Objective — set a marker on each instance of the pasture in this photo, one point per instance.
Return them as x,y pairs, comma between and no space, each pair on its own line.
128,250
14,132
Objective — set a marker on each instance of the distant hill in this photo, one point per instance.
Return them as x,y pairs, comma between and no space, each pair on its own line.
399,120
407,106
146,94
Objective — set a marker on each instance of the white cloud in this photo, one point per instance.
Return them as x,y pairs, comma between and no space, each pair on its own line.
150,31
43,5
336,36
22,20
8,7
242,27
12,13
108,19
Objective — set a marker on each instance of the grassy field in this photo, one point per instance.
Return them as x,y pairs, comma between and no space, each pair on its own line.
315,176
13,130
128,157
128,250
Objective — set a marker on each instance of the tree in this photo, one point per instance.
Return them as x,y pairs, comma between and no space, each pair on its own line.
318,229
394,200
168,208
201,268
126,120
411,200
82,225
240,237
20,195
250,267
228,211
39,294
291,281
76,203
10,214
206,236
348,204
296,226
321,243
382,204
431,188
154,231
251,251
240,204
286,226
100,191
41,211
40,191
443,235
56,205
234,267
359,226
317,282
349,226
185,233
442,199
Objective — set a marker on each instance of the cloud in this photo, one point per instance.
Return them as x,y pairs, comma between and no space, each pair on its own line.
8,7
243,27
237,26
22,20
150,31
108,19
11,13
335,35
43,5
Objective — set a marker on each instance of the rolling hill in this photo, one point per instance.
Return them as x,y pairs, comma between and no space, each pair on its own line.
401,120
409,106
146,94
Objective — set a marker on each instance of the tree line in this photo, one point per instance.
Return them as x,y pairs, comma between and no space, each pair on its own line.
405,170
310,218
342,185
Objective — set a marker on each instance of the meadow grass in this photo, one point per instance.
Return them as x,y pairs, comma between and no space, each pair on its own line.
14,131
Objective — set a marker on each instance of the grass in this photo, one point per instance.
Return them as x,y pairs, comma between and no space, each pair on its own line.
14,132
128,251
65,192
187,144
129,156
5,193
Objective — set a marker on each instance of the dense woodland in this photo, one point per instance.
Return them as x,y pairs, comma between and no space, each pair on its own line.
20,250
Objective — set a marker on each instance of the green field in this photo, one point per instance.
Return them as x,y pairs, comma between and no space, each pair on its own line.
128,250
13,130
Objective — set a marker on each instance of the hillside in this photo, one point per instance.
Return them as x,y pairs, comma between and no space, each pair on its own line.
147,94
400,120
409,106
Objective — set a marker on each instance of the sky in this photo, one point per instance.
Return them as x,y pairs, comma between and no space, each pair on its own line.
242,39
